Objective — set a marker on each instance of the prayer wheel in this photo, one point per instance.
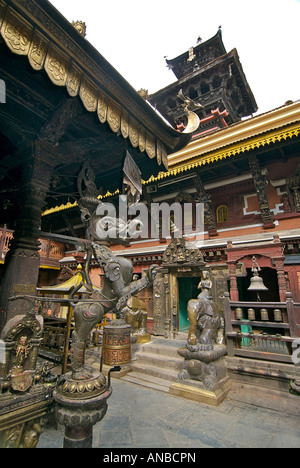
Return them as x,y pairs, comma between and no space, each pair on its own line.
116,345
277,315
239,314
264,315
251,314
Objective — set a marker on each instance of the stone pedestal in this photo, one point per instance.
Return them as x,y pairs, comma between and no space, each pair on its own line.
204,377
80,404
196,391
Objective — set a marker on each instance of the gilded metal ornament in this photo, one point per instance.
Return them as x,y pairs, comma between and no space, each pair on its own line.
73,80
38,51
88,95
133,132
114,116
150,145
56,66
16,32
102,107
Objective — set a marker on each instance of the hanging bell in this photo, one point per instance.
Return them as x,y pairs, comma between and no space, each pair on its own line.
264,315
257,283
239,314
277,315
251,314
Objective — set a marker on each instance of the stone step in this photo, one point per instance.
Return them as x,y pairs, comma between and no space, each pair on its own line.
159,360
157,363
148,381
166,349
155,371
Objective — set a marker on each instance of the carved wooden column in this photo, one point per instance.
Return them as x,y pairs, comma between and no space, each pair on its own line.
282,284
204,197
234,292
22,261
260,187
293,183
159,311
279,264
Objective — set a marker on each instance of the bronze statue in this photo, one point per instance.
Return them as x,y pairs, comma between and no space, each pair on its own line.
204,353
118,285
208,324
204,317
117,289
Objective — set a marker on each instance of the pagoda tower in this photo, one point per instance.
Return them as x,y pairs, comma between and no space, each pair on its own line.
213,83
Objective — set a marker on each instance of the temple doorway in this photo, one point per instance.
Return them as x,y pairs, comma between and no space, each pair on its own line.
187,289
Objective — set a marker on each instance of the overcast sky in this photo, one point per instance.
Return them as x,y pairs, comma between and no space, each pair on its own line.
134,36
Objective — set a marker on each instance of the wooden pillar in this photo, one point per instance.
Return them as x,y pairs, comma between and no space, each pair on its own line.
234,292
22,261
260,187
282,284
205,198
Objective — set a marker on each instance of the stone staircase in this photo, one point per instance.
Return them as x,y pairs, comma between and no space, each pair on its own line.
157,363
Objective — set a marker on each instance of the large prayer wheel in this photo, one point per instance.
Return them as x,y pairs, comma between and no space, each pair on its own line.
116,345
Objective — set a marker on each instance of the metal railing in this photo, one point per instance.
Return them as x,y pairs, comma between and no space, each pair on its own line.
261,330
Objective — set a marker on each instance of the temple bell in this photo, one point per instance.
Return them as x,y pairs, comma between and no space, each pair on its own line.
256,283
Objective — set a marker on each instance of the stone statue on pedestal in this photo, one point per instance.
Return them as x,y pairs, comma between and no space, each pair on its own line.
204,374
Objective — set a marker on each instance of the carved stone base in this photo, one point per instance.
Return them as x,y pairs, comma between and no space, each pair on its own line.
196,391
295,387
80,404
204,375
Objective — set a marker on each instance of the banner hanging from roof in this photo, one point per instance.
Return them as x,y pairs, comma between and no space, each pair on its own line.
132,178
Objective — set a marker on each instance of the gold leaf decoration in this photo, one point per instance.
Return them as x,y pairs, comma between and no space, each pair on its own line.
56,66
142,139
102,107
150,145
164,157
16,32
125,124
114,115
159,153
133,132
38,51
73,81
88,96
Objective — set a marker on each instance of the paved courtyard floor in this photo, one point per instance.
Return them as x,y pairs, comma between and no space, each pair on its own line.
143,418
